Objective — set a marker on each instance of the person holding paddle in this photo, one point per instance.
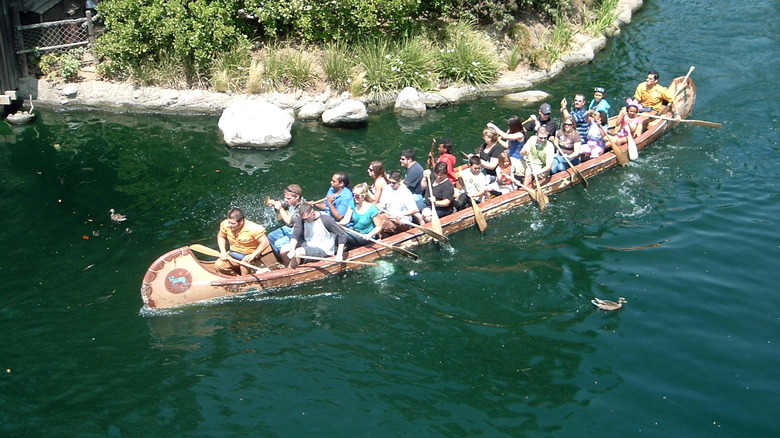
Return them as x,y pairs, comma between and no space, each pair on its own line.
515,139
316,235
568,142
398,203
446,157
440,195
488,153
651,95
472,183
288,213
629,122
248,243
339,196
364,217
538,152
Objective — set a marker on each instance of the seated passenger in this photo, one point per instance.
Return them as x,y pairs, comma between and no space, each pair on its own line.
538,152
314,234
568,140
288,213
629,122
364,217
398,202
472,183
489,152
441,194
248,243
652,96
446,157
505,176
339,196
595,144
515,139
376,171
599,103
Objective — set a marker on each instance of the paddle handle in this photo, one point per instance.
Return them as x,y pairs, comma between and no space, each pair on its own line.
355,262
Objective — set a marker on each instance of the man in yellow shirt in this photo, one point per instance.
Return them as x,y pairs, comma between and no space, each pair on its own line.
651,95
248,243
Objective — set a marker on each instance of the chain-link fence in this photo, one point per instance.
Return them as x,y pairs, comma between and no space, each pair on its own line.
53,35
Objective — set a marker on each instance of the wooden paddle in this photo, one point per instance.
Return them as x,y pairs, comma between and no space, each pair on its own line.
633,151
571,166
405,252
479,218
684,83
541,198
619,153
435,221
330,259
214,253
531,192
428,231
704,123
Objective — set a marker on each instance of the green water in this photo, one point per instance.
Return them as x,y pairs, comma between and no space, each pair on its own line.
492,335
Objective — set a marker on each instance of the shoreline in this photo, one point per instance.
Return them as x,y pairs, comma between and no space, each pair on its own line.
124,97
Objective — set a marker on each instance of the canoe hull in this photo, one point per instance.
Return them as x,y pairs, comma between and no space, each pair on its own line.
178,278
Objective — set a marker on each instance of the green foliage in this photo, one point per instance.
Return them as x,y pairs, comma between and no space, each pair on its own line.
467,56
64,65
337,65
285,67
606,13
191,31
561,38
229,70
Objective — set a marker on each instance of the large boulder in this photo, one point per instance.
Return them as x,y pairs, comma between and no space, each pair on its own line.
348,114
311,111
409,103
527,97
255,124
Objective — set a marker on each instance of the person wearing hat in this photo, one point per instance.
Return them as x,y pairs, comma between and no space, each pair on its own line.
579,113
544,119
599,103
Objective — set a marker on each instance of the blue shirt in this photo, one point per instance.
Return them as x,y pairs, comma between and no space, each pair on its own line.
603,105
342,202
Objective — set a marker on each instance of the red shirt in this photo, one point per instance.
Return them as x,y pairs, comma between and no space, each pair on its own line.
449,160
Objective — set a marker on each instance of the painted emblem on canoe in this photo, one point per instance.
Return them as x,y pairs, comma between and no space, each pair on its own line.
178,281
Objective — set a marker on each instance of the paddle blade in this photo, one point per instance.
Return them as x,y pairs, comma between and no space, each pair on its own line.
633,151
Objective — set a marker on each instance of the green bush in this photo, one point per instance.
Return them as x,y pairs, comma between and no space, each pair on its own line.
466,56
337,65
64,65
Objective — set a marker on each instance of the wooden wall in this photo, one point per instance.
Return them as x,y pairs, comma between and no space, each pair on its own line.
8,64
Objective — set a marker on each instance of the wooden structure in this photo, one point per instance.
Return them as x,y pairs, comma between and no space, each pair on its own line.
178,278
37,26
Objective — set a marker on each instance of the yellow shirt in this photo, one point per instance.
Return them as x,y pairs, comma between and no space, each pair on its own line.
654,97
246,240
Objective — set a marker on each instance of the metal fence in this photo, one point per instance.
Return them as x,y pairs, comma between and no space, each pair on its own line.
53,35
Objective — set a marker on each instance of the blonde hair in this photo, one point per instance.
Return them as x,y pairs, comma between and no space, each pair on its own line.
490,132
361,189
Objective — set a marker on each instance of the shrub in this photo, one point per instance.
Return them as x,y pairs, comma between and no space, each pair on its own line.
65,65
606,13
337,65
466,56
229,70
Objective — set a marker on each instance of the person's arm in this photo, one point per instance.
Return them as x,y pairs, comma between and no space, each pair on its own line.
283,213
341,237
548,157
262,245
576,151
564,110
347,217
490,164
222,244
377,227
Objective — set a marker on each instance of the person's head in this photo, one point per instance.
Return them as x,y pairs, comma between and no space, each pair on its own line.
235,218
440,170
307,212
598,93
652,78
503,159
359,192
475,164
541,135
394,179
568,123
407,158
489,135
339,180
445,147
376,170
632,110
579,100
601,117
292,194
545,110
514,124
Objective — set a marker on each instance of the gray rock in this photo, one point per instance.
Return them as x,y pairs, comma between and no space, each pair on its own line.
348,114
255,124
527,97
70,91
311,111
409,103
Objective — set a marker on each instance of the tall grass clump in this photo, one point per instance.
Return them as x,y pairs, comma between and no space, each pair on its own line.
466,56
378,67
415,64
561,38
280,68
606,13
229,70
337,65
164,71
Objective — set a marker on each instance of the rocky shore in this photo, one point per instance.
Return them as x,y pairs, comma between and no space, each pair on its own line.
126,97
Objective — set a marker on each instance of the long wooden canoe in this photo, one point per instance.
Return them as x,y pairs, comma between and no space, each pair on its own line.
178,277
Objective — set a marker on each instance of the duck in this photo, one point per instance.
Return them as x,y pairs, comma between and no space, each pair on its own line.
608,305
117,217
